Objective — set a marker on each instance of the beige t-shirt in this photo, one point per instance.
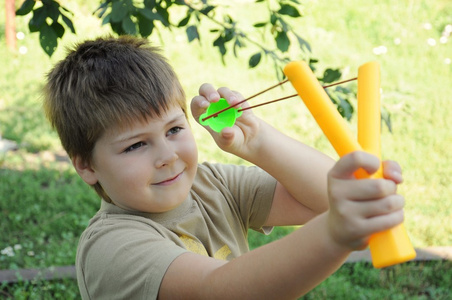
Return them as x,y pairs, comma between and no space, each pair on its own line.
124,255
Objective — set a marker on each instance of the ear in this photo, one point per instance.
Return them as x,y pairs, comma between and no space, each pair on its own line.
84,170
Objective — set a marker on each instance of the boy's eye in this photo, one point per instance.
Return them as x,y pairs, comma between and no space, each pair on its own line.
174,130
134,147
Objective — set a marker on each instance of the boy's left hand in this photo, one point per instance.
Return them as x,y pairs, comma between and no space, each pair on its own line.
240,138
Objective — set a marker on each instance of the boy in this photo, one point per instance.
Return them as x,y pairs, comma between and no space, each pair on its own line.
170,228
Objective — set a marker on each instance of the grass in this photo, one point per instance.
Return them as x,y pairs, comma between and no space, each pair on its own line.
45,206
424,280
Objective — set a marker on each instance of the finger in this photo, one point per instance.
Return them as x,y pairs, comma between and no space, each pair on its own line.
198,106
392,171
232,97
226,138
385,221
384,206
350,163
363,190
209,92
200,103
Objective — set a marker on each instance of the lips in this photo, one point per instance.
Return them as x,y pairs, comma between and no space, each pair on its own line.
169,180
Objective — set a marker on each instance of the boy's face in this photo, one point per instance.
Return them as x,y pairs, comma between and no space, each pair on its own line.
149,166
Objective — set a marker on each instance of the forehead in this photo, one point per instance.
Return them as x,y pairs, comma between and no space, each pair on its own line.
125,128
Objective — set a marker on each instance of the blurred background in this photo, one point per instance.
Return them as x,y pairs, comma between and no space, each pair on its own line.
45,206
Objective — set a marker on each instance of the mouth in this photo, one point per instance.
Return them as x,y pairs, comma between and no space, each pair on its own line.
169,181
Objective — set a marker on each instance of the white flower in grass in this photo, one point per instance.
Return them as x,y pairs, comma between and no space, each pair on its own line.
443,39
447,61
23,50
427,26
17,247
20,35
431,42
31,253
8,251
380,50
448,29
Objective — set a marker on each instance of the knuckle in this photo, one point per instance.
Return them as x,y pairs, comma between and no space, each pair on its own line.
383,187
357,157
391,204
394,219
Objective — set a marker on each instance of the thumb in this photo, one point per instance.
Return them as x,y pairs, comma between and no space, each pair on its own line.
346,167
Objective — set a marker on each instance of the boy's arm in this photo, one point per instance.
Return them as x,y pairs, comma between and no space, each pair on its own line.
295,264
300,170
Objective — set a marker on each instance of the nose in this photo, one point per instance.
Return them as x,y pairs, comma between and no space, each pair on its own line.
166,155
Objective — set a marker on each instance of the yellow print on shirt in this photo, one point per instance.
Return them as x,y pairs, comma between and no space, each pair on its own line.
196,247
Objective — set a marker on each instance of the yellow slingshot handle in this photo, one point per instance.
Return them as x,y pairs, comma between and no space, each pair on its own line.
388,247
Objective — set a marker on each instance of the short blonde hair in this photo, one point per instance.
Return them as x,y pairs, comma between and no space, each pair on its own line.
107,82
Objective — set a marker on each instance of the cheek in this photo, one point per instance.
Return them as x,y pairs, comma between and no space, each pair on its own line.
190,150
120,175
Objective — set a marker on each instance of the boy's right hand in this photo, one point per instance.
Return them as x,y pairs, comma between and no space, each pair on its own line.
244,137
360,208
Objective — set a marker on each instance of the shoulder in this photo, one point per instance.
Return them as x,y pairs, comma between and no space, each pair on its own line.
119,249
229,171
239,181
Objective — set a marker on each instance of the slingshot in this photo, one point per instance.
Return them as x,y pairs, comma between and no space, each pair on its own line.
388,247
217,116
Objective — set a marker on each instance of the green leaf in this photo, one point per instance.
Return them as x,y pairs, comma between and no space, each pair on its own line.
149,4
289,10
148,14
163,16
145,26
128,26
101,9
106,19
229,34
68,23
192,33
66,10
255,60
53,10
26,7
38,19
262,24
118,11
273,18
48,39
345,108
117,28
219,42
282,41
331,75
58,28
184,21
340,97
303,43
207,9
312,63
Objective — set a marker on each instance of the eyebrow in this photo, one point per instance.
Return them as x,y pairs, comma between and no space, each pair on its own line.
126,138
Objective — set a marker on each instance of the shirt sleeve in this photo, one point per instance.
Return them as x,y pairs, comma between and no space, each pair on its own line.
123,259
252,189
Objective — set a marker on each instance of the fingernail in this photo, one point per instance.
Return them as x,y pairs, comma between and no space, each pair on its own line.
397,176
213,96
